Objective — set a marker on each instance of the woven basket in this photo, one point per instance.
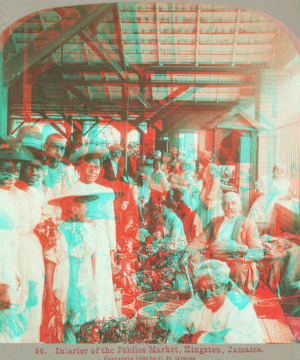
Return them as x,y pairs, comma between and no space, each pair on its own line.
146,299
167,296
131,313
148,315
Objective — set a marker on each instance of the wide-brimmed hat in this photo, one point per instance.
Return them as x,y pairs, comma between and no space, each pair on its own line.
11,149
33,140
115,147
81,195
82,152
76,198
37,153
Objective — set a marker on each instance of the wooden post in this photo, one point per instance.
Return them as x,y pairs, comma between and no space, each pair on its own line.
3,93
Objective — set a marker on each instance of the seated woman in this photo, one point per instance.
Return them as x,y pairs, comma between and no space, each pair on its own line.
219,313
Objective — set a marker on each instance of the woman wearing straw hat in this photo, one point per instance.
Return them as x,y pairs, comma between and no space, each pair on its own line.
101,214
81,238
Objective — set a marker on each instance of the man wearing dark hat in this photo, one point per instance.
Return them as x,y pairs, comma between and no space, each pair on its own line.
133,163
113,175
113,168
172,163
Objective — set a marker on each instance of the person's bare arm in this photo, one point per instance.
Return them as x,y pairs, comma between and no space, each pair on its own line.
49,279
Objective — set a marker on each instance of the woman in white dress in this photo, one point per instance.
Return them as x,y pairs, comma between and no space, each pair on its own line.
31,251
100,214
34,199
13,285
81,237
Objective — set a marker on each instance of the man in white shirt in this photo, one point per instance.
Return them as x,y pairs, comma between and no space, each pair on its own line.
235,239
60,177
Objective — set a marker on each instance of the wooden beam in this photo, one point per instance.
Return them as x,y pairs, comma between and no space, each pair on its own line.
100,52
3,95
80,96
174,69
118,31
57,128
172,97
175,94
14,67
79,82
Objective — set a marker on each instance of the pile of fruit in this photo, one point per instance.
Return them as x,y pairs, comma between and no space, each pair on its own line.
97,331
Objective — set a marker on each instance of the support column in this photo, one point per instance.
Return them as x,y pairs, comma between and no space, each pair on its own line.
3,93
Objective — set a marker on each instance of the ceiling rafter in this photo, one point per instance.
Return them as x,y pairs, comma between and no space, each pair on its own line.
15,66
118,31
176,93
82,82
100,51
164,110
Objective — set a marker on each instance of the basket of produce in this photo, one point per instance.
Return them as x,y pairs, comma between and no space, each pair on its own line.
148,315
165,311
167,296
129,315
144,280
146,299
145,334
115,330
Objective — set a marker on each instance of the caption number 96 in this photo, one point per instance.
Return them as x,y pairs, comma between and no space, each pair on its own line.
40,351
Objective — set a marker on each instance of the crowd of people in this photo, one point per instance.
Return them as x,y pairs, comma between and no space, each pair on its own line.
80,223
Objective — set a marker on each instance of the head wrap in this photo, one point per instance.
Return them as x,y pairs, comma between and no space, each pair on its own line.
56,138
217,271
230,195
11,149
82,152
